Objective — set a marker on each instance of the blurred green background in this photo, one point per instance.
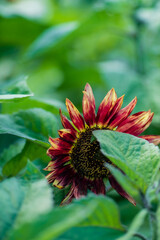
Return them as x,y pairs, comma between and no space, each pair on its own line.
52,48
61,45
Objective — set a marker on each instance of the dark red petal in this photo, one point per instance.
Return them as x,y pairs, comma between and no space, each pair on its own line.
65,122
59,144
115,109
98,186
136,123
51,152
88,110
120,190
151,138
106,107
75,115
122,114
89,91
59,162
67,134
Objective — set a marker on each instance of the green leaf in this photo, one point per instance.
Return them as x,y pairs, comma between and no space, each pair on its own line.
123,180
105,215
51,106
33,124
82,212
22,202
31,173
135,225
30,151
50,38
11,152
87,233
10,97
136,157
14,90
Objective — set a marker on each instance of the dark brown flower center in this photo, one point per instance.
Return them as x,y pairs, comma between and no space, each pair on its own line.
86,157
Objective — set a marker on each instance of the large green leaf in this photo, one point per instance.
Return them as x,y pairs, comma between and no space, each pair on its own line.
21,202
97,211
136,157
33,124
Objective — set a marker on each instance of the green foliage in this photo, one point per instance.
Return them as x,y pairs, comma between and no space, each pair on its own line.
50,49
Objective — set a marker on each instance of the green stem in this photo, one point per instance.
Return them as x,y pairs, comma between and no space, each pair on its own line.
152,216
140,54
139,236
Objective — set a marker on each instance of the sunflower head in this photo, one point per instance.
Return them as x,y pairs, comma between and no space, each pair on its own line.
76,159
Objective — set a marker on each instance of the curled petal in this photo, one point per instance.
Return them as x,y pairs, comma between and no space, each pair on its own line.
106,107
136,123
151,138
75,115
67,134
122,114
120,190
115,109
88,110
89,92
68,198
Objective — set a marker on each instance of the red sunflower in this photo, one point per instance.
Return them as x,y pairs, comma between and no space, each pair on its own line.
76,159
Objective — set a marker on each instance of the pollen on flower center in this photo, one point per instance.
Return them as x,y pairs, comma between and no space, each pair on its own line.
86,157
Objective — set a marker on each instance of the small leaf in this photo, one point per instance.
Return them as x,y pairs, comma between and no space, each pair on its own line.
50,38
15,90
33,124
30,151
138,158
135,225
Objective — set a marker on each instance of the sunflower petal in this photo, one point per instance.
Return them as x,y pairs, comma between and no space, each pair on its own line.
106,107
115,109
89,91
122,114
67,134
120,190
75,115
88,110
152,139
98,186
65,122
51,152
136,123
68,198
59,144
